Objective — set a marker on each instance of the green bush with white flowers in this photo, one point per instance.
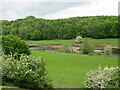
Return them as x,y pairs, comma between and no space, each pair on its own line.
103,78
27,72
108,50
78,39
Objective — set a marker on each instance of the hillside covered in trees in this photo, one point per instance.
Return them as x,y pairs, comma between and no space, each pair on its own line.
31,28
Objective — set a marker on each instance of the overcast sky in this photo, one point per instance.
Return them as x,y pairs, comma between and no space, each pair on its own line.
54,9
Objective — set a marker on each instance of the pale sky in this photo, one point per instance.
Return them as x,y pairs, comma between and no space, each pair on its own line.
54,9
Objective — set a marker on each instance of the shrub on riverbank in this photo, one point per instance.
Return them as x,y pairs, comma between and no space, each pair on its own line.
87,47
79,39
65,49
108,50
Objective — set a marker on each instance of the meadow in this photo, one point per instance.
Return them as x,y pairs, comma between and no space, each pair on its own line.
67,70
111,41
51,41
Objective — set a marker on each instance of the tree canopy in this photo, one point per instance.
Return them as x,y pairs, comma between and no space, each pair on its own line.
68,28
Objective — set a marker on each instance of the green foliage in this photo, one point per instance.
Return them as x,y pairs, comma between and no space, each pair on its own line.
28,72
103,78
93,26
13,45
78,39
23,32
87,47
108,50
36,35
65,49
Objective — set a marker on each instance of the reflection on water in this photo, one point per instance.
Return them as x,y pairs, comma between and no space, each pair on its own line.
50,48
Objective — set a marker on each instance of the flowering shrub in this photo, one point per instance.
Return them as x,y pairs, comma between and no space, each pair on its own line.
78,39
103,78
108,50
28,72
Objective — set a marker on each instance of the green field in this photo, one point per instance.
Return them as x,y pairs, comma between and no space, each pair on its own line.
107,41
52,42
113,42
69,70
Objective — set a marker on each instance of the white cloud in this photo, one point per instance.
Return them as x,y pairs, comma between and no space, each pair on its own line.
14,9
106,7
46,0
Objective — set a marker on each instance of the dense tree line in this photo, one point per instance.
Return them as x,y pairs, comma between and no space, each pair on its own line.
31,28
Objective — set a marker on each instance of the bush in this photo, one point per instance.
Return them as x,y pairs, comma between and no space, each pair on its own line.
79,39
13,45
108,50
28,72
103,78
65,49
87,47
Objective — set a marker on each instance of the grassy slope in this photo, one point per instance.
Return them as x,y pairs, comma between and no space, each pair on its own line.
69,70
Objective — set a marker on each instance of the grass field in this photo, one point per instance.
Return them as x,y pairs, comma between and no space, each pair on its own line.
108,40
69,70
113,42
52,41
